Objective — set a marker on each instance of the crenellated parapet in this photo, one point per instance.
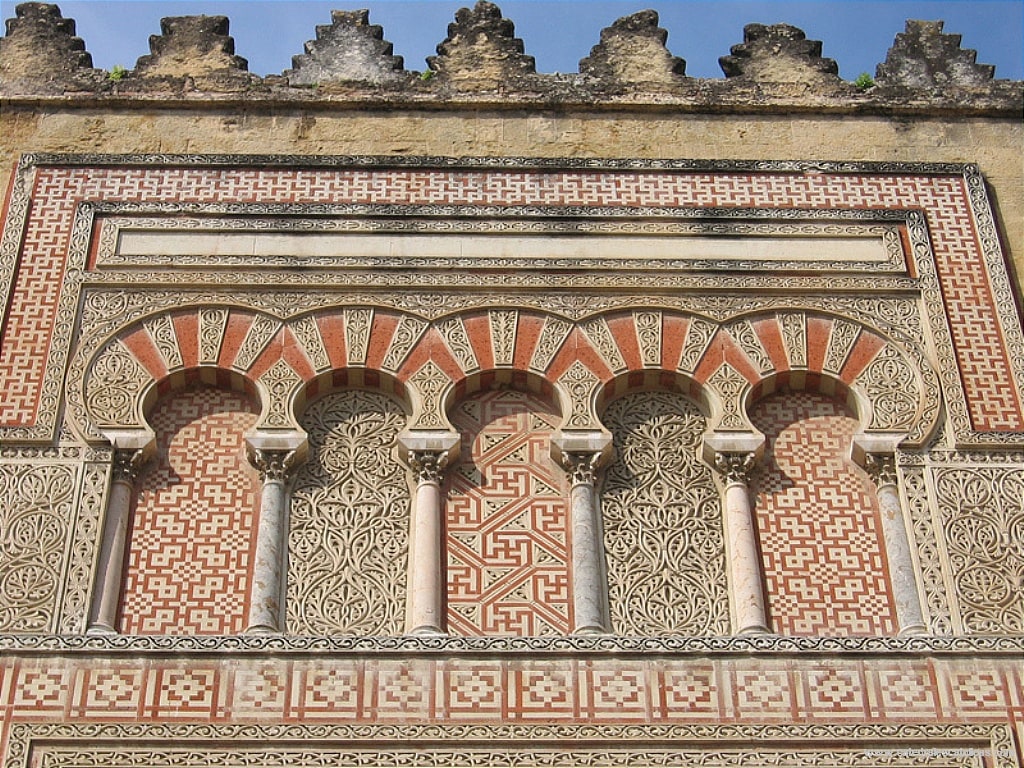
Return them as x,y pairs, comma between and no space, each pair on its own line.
481,51
632,54
349,49
197,47
482,62
40,52
924,57
779,53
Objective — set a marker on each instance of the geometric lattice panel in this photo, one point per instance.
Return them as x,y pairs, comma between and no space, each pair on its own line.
507,520
193,531
662,521
349,522
819,523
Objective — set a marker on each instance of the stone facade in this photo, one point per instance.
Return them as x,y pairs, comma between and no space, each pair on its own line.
497,417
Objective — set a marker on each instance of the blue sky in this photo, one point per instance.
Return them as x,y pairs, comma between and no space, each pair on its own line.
558,33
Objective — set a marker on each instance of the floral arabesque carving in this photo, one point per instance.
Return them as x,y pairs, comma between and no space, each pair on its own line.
39,503
662,520
115,382
348,538
983,527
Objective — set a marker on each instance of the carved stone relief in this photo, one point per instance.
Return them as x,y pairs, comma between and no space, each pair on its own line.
307,332
261,332
648,333
983,529
552,336
699,334
580,382
794,336
115,382
841,340
453,331
503,325
892,387
663,521
161,331
597,331
428,384
410,329
36,514
349,529
729,384
280,382
358,322
212,323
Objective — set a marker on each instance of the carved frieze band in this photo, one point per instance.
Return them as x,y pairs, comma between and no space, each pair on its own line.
901,387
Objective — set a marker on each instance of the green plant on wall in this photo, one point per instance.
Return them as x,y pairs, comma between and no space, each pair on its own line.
864,81
117,74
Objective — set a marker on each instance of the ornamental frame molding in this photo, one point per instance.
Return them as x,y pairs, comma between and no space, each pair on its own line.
908,744
78,282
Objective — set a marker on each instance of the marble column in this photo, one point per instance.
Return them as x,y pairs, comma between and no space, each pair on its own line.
746,580
266,598
589,579
426,548
109,580
882,469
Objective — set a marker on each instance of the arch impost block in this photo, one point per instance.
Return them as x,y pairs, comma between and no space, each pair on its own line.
586,441
732,443
866,444
429,441
293,441
142,439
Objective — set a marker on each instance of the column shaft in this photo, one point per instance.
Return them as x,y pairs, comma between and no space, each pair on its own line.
909,614
266,598
746,580
426,575
589,592
110,565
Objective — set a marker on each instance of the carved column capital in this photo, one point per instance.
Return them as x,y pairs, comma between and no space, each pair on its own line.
273,466
127,464
882,468
736,467
428,466
582,467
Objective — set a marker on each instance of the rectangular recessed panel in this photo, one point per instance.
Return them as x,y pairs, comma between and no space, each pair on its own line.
497,246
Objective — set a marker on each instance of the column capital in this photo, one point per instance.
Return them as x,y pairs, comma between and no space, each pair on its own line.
735,467
273,465
581,466
427,466
127,464
881,467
